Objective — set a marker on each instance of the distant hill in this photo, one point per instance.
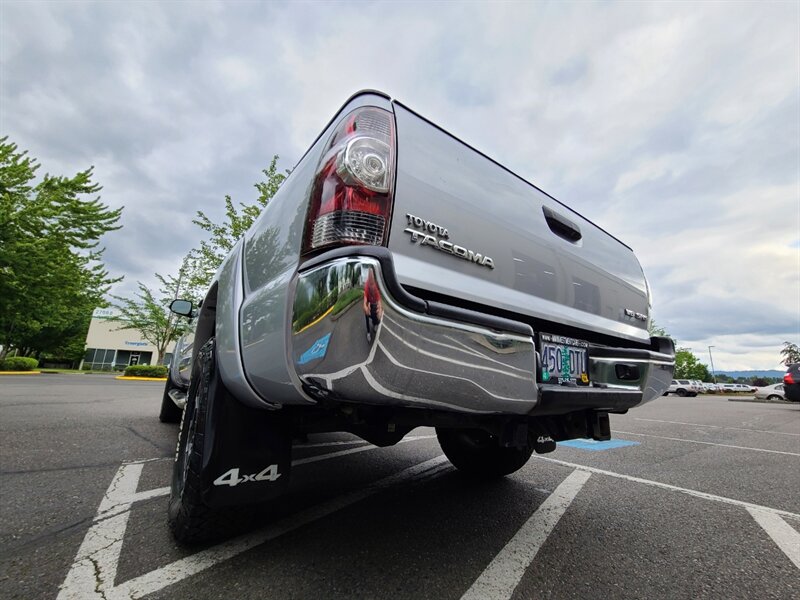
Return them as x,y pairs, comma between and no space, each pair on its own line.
737,374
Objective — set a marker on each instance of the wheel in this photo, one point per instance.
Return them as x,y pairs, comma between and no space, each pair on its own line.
170,413
478,453
774,397
190,519
681,392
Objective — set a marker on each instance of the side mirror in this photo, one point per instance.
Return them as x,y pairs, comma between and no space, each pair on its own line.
181,307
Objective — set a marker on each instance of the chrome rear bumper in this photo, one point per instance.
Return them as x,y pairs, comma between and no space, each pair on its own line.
353,337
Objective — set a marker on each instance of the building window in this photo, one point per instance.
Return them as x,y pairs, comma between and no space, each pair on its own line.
99,359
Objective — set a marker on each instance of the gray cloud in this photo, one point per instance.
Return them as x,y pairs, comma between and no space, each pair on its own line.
570,72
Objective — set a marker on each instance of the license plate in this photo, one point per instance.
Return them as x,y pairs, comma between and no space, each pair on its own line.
564,359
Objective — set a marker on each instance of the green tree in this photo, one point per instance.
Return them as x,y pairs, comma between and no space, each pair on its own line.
51,270
149,314
655,329
204,261
790,353
688,366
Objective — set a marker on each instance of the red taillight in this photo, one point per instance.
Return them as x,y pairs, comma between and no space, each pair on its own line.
788,379
351,199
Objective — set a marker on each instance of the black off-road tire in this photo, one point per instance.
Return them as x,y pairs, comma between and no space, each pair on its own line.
170,413
478,454
190,519
681,392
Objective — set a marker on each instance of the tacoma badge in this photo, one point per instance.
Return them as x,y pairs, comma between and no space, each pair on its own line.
436,236
635,315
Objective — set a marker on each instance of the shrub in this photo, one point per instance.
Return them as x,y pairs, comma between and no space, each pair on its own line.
347,299
18,363
155,371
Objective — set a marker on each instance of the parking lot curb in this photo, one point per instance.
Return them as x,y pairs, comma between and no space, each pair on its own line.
760,400
140,378
20,372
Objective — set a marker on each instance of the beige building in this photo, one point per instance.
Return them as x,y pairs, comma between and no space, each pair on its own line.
110,348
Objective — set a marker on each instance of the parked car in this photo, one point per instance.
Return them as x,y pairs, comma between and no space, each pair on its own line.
173,400
682,387
711,388
791,383
397,279
729,388
771,392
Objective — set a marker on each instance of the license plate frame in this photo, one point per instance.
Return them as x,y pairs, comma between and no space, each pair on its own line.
552,350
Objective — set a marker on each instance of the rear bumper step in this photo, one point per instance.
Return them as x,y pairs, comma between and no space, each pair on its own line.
558,400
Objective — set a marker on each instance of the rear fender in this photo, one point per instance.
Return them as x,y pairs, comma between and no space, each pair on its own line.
228,294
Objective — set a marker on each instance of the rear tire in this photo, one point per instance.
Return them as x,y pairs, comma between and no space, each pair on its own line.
681,393
774,397
190,519
170,413
478,454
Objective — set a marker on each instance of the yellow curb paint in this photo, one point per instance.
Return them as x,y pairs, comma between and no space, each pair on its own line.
140,378
315,321
20,372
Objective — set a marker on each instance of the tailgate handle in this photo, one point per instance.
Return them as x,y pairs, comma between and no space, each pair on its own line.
561,226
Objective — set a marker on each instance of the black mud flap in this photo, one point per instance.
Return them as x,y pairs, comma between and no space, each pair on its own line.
248,454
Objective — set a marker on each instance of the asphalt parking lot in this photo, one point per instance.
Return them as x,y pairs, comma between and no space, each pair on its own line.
697,497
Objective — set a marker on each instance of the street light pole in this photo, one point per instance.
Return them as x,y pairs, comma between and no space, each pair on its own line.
713,372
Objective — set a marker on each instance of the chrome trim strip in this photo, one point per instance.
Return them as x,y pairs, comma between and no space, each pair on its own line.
622,359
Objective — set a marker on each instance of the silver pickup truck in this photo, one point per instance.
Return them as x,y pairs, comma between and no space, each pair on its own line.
400,278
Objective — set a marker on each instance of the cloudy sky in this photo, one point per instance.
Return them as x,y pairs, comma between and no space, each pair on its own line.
675,126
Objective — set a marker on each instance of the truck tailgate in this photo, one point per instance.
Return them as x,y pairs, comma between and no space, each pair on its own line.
545,260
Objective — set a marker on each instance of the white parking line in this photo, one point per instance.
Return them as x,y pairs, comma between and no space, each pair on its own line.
191,565
786,538
673,488
502,576
664,437
93,574
718,426
98,555
163,491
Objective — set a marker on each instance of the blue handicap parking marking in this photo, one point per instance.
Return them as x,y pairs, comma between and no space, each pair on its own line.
317,350
596,446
